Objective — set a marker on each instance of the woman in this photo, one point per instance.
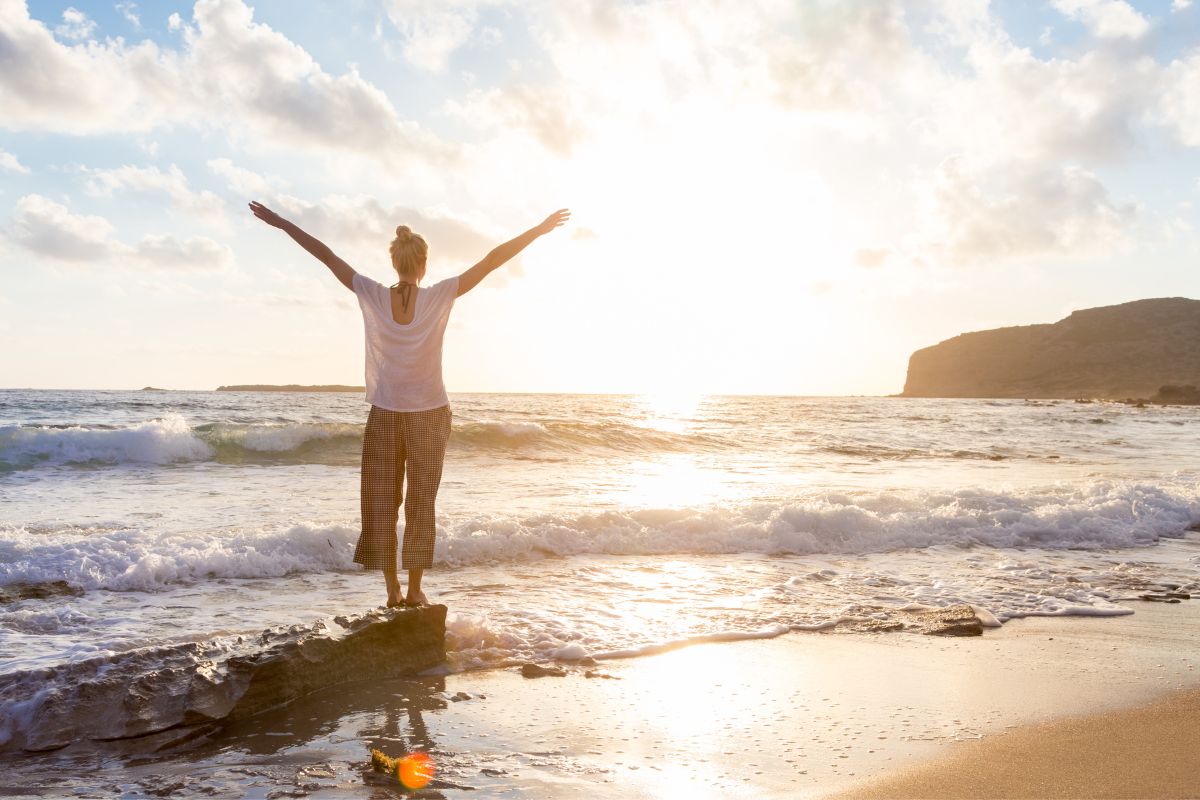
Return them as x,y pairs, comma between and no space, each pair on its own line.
409,422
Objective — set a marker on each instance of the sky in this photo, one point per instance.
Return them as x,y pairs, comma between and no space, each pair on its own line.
768,197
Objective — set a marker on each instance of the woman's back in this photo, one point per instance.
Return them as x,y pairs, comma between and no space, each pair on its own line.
404,359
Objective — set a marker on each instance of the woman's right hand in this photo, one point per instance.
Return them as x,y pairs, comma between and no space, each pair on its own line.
553,221
267,215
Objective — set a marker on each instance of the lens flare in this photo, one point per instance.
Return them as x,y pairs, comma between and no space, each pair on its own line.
415,770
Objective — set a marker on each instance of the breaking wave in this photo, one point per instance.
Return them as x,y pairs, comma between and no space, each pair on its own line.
170,440
1099,515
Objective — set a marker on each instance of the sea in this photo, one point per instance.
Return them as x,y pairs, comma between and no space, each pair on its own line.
573,526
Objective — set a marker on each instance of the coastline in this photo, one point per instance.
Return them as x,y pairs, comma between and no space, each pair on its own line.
807,714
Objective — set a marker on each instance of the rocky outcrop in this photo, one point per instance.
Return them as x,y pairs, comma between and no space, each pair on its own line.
173,693
1122,351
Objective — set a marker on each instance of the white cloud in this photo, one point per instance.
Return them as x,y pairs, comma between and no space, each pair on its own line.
1179,106
359,228
197,253
431,30
47,228
10,163
243,181
174,22
1180,5
231,72
129,12
980,216
173,183
545,112
75,25
1108,19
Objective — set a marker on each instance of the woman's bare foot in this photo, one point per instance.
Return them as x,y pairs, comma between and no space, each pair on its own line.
393,589
416,599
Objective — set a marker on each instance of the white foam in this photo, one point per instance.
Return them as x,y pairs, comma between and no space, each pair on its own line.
138,560
1103,514
159,441
653,648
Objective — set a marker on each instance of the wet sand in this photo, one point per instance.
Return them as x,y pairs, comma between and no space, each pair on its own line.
1148,751
802,715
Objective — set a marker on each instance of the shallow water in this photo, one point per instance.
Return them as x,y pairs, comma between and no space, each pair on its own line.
586,525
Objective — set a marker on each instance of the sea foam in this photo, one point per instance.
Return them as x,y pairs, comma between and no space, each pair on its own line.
1099,515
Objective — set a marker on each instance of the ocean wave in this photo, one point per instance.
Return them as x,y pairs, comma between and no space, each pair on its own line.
1100,515
170,440
1104,514
160,441
137,560
885,453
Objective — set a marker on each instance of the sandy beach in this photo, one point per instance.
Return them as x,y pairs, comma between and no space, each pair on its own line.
1147,751
801,715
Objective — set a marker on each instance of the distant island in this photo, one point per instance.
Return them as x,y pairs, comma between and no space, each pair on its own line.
290,387
1145,349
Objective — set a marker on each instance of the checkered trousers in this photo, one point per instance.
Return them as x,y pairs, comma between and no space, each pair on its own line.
397,443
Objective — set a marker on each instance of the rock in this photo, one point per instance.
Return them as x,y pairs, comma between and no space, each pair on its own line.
23,590
591,673
174,688
1132,350
459,697
530,670
1173,395
1168,597
955,620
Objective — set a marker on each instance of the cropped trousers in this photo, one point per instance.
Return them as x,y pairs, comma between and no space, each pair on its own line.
396,445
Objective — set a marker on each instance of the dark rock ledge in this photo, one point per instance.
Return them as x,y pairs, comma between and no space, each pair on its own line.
167,695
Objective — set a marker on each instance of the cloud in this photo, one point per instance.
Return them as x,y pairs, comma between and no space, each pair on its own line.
1179,106
1180,5
48,229
75,25
10,163
870,258
129,12
1108,19
243,181
231,72
363,226
197,253
980,216
545,112
432,30
173,183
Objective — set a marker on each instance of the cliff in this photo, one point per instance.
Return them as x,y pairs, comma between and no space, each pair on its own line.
1127,350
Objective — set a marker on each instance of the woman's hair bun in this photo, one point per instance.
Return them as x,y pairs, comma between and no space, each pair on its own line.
403,233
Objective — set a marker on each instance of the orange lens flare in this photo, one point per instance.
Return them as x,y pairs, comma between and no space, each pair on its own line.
415,770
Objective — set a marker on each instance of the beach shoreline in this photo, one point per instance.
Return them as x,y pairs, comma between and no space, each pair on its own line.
807,714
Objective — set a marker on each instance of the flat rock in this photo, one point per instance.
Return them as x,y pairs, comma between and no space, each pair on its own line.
955,620
162,692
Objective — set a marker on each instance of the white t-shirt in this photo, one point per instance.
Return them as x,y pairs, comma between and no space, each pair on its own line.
404,362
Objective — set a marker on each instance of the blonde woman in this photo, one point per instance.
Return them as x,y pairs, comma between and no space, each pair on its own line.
408,425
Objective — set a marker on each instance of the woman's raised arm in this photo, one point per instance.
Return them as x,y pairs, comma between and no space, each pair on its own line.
471,278
341,270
